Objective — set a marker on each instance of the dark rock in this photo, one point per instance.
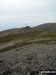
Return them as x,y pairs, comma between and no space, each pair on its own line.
34,72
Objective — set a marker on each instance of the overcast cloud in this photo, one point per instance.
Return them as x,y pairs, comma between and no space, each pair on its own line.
18,13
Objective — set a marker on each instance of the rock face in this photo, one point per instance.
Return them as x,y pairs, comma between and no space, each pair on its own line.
28,59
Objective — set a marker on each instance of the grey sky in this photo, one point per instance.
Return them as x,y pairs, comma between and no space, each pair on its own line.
18,13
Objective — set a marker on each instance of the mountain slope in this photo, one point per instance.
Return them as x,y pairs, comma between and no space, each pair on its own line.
26,49
46,26
42,27
15,38
16,31
14,41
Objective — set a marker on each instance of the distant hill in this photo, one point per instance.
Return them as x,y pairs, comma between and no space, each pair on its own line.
16,31
42,27
46,26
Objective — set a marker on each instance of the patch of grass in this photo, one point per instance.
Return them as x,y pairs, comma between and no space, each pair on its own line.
41,37
17,45
24,36
6,49
29,36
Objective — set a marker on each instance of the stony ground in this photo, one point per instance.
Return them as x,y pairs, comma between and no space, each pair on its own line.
22,61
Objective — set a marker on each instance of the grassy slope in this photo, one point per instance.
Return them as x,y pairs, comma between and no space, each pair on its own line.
36,37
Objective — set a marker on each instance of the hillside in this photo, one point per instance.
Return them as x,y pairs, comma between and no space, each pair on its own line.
46,27
16,31
14,38
42,27
25,49
17,40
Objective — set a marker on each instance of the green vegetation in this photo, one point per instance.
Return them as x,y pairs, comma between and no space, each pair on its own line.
25,36
35,37
14,46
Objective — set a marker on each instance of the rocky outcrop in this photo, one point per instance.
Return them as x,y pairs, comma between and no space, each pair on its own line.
28,60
